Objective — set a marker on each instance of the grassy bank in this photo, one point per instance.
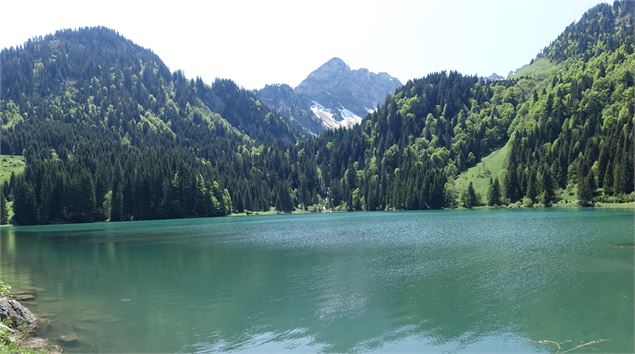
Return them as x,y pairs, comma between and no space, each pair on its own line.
630,205
269,212
14,348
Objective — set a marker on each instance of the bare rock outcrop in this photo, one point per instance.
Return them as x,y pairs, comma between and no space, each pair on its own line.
16,313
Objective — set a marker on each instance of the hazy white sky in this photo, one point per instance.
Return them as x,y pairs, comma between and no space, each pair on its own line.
282,41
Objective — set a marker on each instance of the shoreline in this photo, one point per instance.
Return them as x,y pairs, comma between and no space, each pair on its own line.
598,205
19,326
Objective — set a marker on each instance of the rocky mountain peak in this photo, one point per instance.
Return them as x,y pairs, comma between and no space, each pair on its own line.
335,86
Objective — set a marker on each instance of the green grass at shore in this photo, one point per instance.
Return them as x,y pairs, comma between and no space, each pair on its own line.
269,212
629,205
14,348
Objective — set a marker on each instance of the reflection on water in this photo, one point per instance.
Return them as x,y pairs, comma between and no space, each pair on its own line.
500,280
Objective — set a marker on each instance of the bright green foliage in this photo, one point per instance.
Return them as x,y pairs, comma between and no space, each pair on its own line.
581,123
540,68
4,288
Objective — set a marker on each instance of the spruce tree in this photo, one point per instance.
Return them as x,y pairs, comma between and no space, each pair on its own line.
493,194
4,212
25,203
548,193
470,199
532,191
585,191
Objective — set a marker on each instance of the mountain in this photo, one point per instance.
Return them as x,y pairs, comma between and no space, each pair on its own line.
332,96
561,130
77,62
495,77
285,101
564,124
108,132
97,115
344,94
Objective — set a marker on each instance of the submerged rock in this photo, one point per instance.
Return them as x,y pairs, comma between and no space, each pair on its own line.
16,313
627,245
22,292
69,339
23,297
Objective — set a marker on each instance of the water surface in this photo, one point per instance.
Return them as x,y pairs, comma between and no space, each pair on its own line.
441,281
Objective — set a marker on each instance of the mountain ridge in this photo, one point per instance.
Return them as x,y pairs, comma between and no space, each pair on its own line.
331,96
335,84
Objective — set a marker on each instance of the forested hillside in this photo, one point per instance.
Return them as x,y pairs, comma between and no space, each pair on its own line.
109,132
103,121
568,123
579,128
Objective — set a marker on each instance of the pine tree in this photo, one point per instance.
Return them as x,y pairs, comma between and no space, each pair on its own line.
470,198
493,194
532,191
116,207
548,194
585,191
25,203
4,212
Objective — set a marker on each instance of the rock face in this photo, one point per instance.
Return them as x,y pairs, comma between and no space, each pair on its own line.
494,77
334,85
332,96
284,100
16,313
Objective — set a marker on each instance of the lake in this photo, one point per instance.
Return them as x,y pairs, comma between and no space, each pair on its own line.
441,281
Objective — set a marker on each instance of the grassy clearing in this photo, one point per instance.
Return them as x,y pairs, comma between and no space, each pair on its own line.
540,69
479,175
10,164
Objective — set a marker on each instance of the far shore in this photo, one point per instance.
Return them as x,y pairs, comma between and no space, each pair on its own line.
598,205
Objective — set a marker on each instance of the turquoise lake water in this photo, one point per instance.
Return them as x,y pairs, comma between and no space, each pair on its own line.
436,281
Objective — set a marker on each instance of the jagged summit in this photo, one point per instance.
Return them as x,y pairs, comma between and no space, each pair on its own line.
334,64
332,96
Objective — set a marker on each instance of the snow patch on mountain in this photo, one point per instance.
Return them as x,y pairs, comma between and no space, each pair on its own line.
341,118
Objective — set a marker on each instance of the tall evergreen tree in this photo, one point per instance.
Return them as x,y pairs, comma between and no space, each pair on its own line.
548,196
4,212
493,194
470,199
585,190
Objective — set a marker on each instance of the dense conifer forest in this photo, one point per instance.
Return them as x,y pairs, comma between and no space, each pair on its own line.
109,133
